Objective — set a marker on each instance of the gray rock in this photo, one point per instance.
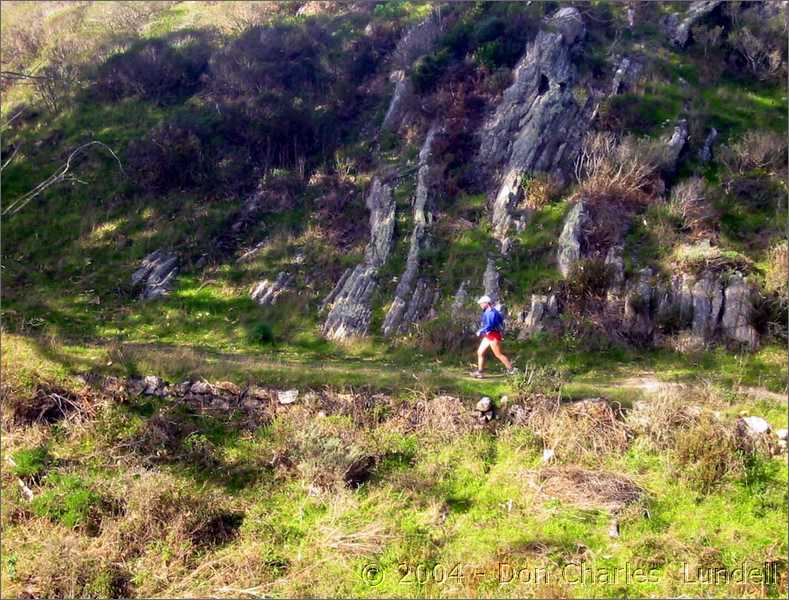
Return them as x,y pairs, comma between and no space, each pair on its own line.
201,387
675,144
639,304
569,23
705,154
484,405
542,315
413,301
266,292
615,260
461,297
735,322
707,296
678,28
571,239
418,40
153,386
287,396
156,275
755,425
349,308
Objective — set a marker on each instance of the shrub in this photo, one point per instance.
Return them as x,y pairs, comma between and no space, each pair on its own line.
30,463
68,500
588,280
707,453
756,150
777,270
634,113
428,69
447,334
163,70
761,46
261,333
172,157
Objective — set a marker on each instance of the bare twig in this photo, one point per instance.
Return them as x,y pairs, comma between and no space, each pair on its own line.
57,176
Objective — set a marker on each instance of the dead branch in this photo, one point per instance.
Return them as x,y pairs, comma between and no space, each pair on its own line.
56,177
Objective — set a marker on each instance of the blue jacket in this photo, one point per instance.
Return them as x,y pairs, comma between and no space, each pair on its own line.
491,321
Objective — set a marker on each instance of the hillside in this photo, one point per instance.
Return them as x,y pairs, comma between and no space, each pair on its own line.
209,205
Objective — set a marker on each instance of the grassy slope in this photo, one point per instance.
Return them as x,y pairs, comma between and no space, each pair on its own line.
448,504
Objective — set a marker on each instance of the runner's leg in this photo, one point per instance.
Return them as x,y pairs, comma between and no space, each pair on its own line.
495,345
483,347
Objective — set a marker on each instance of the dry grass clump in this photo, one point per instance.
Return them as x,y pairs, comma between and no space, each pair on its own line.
588,489
442,418
777,271
688,203
708,452
610,169
756,150
583,430
326,451
663,417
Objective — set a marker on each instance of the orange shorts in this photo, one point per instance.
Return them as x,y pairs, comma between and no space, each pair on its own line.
493,336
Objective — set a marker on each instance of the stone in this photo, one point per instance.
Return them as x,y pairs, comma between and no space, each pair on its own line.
639,303
201,387
707,295
484,405
490,279
569,23
548,454
266,292
349,308
782,434
152,386
735,322
755,425
403,91
571,240
287,396
256,392
461,297
156,275
613,529
228,387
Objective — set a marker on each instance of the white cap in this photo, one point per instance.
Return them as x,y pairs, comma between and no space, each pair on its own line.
484,300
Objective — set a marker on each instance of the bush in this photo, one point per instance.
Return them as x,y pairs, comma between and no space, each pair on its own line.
707,453
634,113
30,463
588,280
447,334
261,333
68,500
163,70
172,157
428,69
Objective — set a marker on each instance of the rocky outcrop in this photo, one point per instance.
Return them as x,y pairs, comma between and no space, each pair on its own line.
460,300
735,322
156,275
538,125
571,240
349,302
490,280
542,316
627,71
678,27
413,298
267,292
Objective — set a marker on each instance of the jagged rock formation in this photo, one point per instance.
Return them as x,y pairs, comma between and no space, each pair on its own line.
349,301
461,297
678,29
156,274
412,302
267,292
571,238
542,315
626,72
490,280
538,124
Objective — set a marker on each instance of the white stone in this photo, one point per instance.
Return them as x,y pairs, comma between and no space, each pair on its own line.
287,396
548,455
756,424
782,434
484,405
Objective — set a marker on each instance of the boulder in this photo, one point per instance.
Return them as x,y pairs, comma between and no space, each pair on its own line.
156,275
153,386
707,295
484,405
705,153
403,92
754,426
674,145
782,434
